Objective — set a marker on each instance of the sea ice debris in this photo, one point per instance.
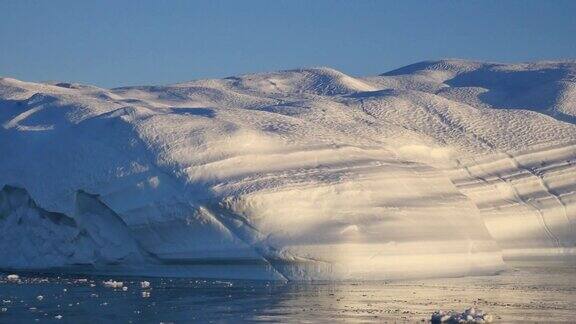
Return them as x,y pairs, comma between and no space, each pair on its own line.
13,277
469,316
113,284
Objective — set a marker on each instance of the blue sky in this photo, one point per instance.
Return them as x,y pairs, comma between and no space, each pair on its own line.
113,43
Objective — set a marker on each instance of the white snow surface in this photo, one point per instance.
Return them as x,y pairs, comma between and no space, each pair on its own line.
441,168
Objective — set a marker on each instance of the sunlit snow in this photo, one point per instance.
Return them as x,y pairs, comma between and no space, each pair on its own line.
441,168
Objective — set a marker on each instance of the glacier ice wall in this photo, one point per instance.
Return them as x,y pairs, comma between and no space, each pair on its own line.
443,168
34,238
527,199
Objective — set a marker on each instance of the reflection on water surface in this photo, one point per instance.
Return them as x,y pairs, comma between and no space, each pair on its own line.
536,293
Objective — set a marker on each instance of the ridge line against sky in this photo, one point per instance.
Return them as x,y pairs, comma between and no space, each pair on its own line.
119,43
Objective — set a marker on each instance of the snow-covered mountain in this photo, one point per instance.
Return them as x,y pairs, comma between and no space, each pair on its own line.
440,168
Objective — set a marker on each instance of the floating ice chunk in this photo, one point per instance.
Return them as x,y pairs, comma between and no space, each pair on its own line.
13,278
226,283
58,317
40,297
145,294
124,288
145,284
469,316
113,284
3,309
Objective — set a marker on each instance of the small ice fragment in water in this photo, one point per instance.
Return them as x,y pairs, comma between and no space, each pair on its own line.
58,317
470,316
226,283
3,309
145,294
113,284
124,288
40,297
13,277
145,284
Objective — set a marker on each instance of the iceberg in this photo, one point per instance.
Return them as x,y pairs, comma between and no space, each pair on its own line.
441,168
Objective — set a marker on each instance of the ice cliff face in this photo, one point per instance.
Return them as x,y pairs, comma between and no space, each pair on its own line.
35,238
436,169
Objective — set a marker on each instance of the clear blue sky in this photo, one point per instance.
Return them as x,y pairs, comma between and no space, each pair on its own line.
113,43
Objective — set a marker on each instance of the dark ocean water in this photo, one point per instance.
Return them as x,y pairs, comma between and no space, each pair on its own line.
521,294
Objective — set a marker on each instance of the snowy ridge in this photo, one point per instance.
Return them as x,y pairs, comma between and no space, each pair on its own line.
436,169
